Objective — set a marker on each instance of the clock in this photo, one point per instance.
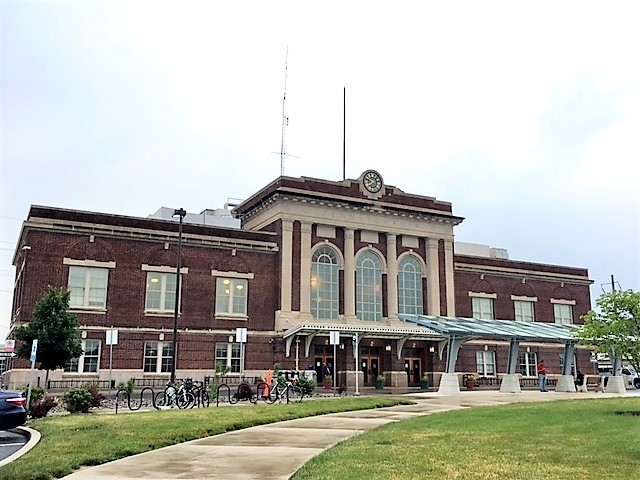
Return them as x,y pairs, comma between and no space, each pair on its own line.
372,181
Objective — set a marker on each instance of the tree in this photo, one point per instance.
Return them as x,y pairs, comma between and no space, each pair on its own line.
56,330
615,329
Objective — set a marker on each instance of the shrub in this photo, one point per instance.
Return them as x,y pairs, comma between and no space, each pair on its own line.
40,408
96,396
307,385
37,394
129,385
77,400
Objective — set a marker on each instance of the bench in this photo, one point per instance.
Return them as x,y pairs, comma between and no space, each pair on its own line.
596,382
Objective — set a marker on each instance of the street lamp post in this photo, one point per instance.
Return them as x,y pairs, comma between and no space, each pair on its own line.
181,213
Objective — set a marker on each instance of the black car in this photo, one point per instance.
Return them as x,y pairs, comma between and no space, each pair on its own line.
12,411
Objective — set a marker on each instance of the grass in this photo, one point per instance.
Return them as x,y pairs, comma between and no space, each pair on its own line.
71,441
580,439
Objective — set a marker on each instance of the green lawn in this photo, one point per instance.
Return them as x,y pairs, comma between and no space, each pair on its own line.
580,439
71,441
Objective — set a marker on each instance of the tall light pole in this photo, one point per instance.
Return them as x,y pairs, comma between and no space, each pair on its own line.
181,213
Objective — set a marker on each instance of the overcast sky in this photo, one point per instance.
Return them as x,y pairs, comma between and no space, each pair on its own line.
525,118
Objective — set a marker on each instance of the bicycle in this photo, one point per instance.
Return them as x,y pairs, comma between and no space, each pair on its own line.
181,396
283,390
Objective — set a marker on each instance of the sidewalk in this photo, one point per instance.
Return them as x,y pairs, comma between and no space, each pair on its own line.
276,451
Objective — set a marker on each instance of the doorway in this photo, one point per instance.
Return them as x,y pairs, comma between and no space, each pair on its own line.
370,364
323,354
413,367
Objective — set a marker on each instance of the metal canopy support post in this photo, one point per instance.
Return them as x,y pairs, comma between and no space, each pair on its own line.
455,342
510,382
566,381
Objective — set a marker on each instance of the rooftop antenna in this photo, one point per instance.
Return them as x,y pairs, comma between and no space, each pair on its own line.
285,119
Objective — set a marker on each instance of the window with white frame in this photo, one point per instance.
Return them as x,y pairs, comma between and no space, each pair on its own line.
369,287
161,292
228,356
410,286
232,294
87,283
523,311
88,362
563,313
158,357
528,364
324,283
482,307
486,363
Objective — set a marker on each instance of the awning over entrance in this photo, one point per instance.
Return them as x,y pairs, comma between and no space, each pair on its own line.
402,333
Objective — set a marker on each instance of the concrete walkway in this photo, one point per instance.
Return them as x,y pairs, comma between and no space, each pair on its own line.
277,450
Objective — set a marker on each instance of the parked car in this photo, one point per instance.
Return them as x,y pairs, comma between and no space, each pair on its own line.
628,373
12,409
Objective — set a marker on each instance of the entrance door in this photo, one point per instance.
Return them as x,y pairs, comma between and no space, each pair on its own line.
370,364
413,367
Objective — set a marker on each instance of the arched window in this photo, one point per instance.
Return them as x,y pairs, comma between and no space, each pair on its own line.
324,283
410,286
369,287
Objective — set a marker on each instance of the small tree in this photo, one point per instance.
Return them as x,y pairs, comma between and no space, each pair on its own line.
616,327
56,330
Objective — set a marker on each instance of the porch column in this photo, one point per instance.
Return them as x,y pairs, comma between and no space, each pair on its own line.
433,278
449,278
305,268
286,265
392,276
349,273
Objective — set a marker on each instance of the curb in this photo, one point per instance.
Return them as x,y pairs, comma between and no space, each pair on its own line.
34,438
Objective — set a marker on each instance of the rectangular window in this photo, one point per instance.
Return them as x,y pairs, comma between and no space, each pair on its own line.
523,310
89,361
482,307
161,292
486,363
228,355
88,287
563,313
158,357
528,364
231,296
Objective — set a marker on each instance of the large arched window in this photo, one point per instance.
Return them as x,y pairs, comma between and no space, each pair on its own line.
369,287
409,286
324,283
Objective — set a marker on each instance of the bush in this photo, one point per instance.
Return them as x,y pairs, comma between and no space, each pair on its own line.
129,385
77,400
307,385
37,394
96,396
40,408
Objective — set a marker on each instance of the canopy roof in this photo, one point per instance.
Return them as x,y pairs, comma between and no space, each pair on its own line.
494,329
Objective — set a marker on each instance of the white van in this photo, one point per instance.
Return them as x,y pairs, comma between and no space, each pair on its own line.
628,373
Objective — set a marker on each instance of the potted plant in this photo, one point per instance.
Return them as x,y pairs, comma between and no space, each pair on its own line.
424,382
327,381
471,380
379,382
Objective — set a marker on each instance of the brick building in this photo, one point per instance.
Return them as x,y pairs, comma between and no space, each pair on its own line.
308,257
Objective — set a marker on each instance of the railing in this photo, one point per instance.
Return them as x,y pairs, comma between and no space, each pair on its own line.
66,384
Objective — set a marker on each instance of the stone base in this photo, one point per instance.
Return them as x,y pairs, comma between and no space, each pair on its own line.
566,383
510,384
396,379
449,384
615,385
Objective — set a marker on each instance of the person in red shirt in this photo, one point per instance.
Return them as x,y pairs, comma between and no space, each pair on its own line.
542,376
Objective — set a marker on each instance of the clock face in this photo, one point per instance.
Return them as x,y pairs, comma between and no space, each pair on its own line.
372,182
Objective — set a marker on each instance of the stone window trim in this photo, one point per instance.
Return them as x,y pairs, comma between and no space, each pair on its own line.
423,263
334,247
563,302
522,298
163,269
483,295
87,263
232,274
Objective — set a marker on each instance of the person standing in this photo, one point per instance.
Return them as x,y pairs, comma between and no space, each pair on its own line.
542,376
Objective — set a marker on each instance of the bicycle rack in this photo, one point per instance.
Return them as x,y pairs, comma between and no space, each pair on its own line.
128,396
218,393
